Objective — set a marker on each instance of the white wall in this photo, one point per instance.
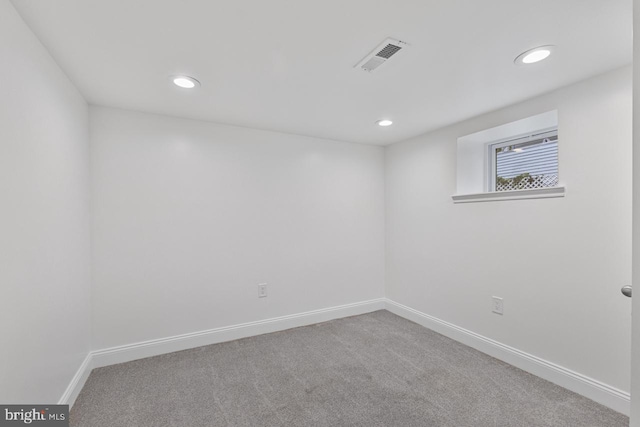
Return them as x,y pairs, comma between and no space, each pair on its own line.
558,263
190,216
44,226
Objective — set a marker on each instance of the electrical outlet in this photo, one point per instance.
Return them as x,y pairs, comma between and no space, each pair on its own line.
262,290
498,305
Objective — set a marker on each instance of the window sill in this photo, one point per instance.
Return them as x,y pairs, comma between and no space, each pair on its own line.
494,196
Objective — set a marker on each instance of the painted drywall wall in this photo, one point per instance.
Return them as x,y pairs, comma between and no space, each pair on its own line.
558,263
44,243
189,217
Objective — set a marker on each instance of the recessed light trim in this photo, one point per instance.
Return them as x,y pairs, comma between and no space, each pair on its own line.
384,122
185,82
534,55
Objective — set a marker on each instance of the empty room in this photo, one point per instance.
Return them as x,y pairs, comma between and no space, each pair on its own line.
306,213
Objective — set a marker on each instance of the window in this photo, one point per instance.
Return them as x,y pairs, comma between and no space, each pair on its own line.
526,162
512,161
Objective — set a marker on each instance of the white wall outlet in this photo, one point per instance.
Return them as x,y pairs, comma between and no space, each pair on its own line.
262,290
498,305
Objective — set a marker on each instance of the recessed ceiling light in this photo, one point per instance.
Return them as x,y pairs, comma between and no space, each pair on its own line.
534,55
384,122
185,82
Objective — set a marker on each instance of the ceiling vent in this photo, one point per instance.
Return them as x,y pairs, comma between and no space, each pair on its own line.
381,54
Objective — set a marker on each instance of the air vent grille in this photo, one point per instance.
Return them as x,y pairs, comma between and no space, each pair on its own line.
381,54
388,51
373,63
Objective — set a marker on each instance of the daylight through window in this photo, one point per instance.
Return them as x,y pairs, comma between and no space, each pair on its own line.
524,163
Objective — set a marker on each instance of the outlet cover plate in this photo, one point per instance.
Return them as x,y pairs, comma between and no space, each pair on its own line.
498,305
262,290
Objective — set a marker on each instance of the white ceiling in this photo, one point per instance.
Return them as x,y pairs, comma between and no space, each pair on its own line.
287,65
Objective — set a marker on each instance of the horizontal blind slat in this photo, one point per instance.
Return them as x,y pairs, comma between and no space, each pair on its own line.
539,159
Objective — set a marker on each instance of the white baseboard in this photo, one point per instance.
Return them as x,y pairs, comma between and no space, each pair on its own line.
604,394
77,382
140,350
127,353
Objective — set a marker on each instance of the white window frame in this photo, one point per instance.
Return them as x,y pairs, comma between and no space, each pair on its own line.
491,147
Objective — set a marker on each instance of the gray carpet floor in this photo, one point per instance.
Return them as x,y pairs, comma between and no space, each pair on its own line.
372,370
